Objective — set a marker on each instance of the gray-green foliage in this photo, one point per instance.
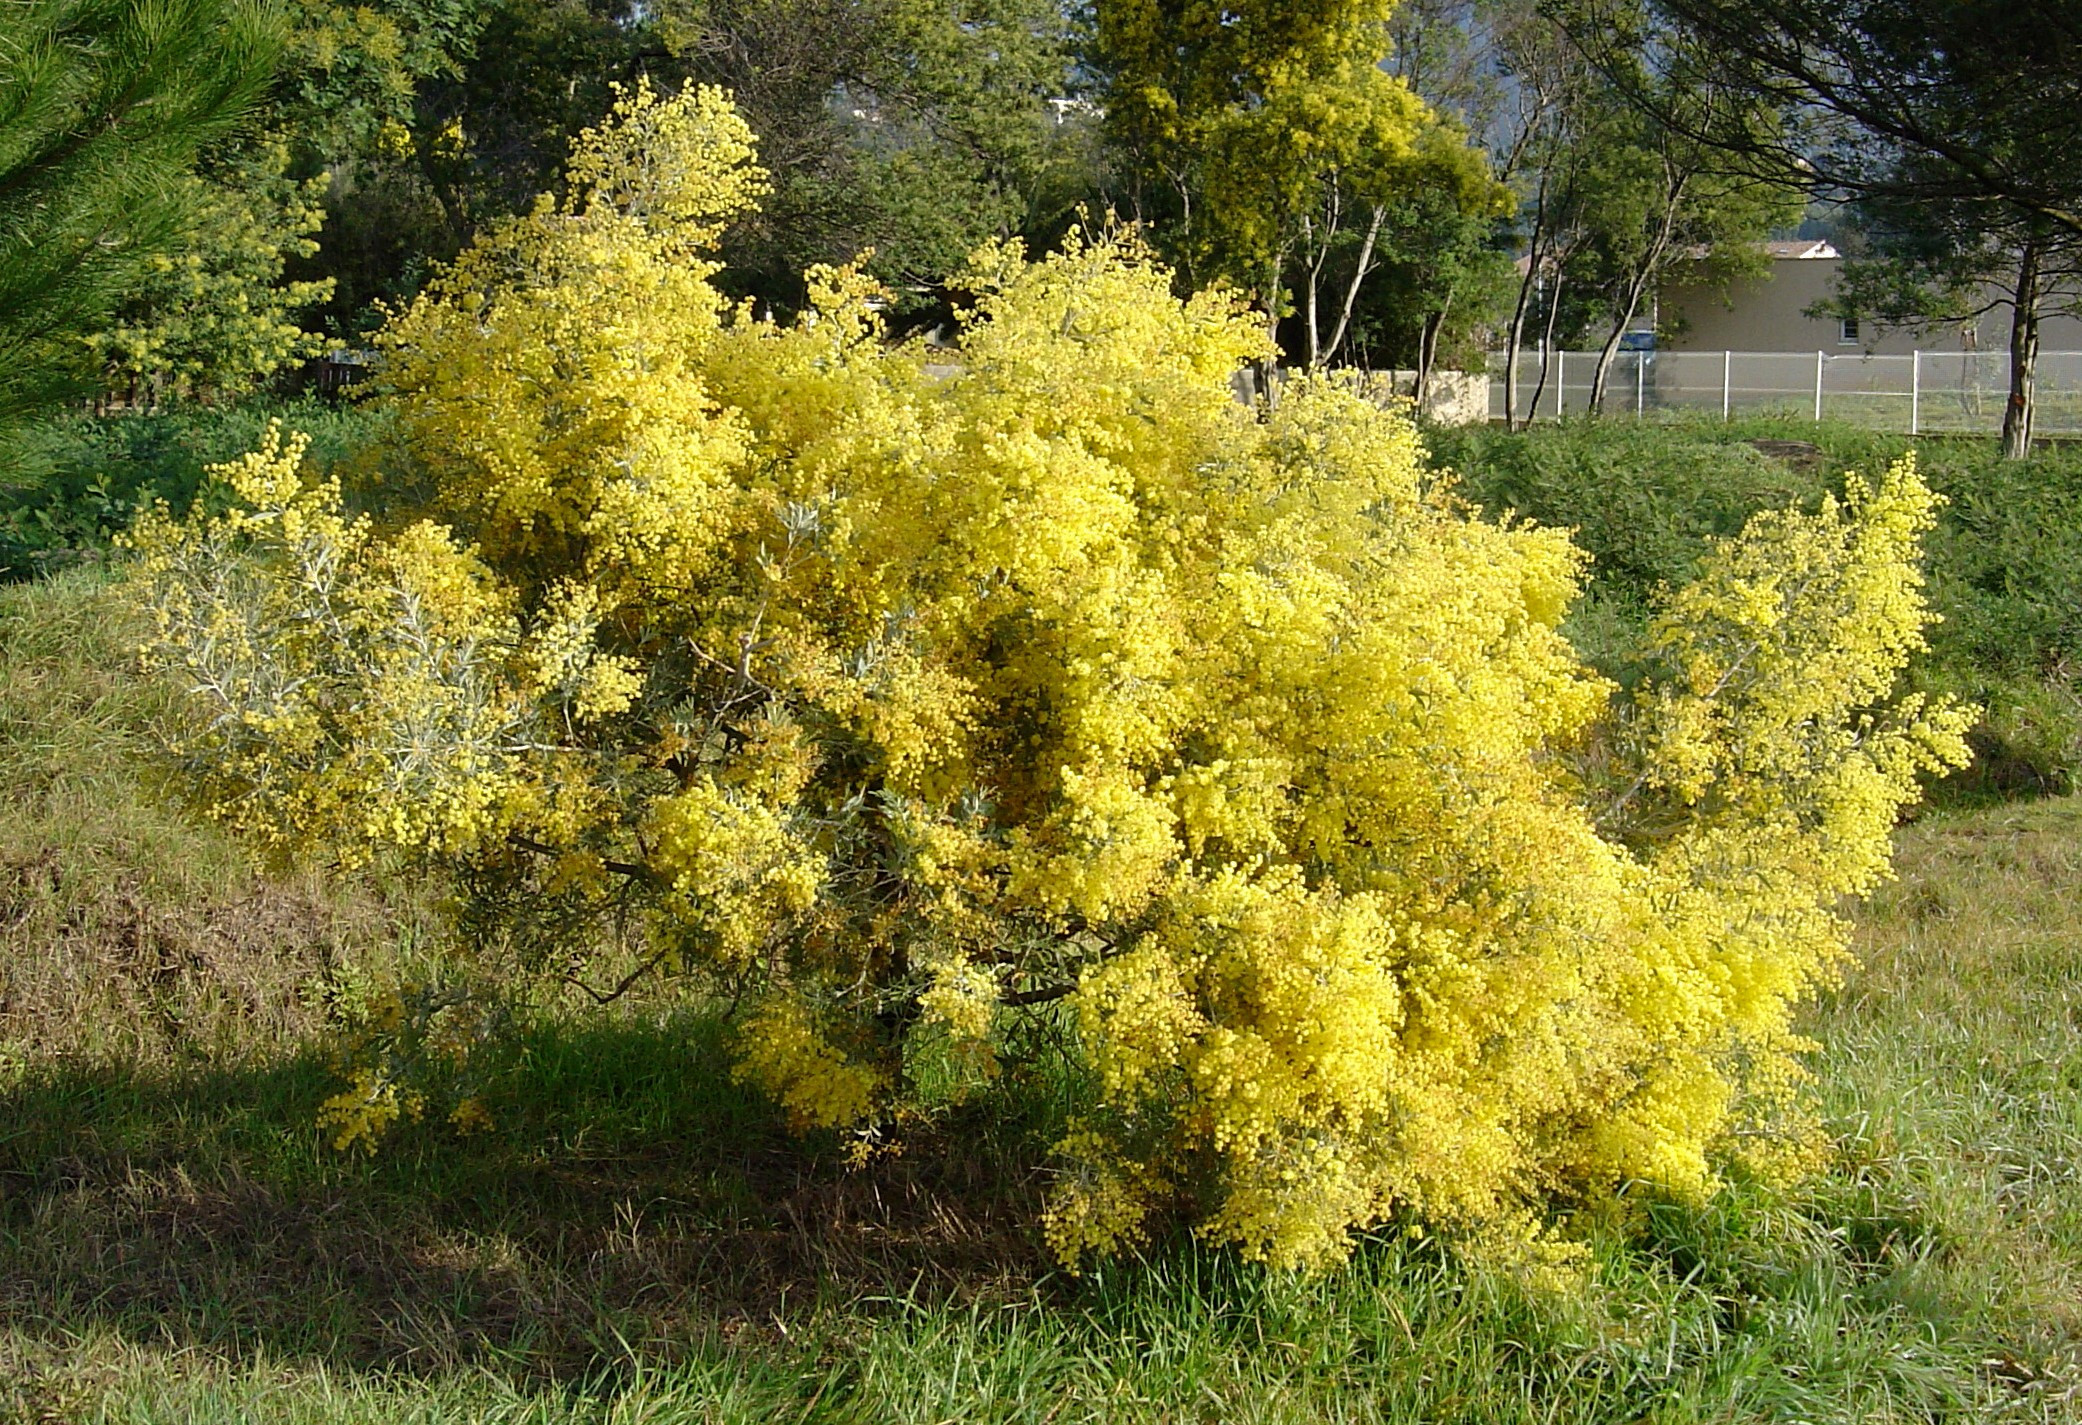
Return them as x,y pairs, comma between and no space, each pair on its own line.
103,105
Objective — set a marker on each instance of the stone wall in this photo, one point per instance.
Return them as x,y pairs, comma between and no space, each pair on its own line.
1453,398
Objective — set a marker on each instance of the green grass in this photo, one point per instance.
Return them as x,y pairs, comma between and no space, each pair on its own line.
635,1241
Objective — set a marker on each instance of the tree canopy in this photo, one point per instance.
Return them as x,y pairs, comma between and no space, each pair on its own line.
1977,102
1946,124
1253,132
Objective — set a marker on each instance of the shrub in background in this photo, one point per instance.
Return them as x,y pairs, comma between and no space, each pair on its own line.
2004,558
72,483
899,708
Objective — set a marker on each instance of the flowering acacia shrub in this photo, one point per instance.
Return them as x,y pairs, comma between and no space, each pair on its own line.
903,706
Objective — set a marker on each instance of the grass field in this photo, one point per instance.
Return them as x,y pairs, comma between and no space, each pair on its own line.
635,1242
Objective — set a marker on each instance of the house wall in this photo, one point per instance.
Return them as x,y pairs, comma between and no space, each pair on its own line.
1766,314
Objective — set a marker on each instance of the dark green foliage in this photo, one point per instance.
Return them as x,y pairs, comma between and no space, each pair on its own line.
909,129
103,104
69,485
1951,130
2005,563
2006,571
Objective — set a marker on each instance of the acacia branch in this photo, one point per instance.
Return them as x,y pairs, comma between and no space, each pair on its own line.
1046,994
622,986
632,869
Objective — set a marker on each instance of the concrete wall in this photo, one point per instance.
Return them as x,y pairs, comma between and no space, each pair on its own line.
1454,398
1766,314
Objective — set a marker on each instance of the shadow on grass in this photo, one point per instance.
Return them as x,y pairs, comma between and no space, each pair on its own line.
631,1199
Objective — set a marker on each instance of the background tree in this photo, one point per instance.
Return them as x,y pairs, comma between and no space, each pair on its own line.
1547,139
1660,200
1616,198
1443,278
103,107
1252,134
914,129
1433,212
215,315
249,289
1436,230
1891,102
1445,274
430,118
1935,264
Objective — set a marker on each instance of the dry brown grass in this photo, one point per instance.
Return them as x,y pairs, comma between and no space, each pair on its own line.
548,1269
128,932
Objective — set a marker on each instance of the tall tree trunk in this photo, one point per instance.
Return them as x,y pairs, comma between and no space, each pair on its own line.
1625,318
1269,365
1525,296
1428,349
1359,274
2024,355
1674,185
1318,254
1603,366
1547,351
1513,337
1315,337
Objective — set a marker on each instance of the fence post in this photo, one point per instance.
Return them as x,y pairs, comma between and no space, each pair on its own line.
1640,382
1727,375
1820,357
1561,379
1915,392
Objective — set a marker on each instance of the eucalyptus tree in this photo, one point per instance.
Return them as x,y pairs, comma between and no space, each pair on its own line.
1264,143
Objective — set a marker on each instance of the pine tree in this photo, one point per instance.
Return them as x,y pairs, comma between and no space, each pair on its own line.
103,105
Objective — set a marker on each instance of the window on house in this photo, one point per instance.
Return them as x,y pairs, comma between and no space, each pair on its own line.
1847,332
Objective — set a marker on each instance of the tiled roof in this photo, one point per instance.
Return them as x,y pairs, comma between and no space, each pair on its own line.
1802,248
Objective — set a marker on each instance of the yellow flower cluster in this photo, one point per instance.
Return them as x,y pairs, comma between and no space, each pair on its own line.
963,996
217,314
403,1046
359,1115
912,702
569,342
786,1055
349,691
736,871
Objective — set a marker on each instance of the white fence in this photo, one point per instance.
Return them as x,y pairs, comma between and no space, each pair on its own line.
1927,392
